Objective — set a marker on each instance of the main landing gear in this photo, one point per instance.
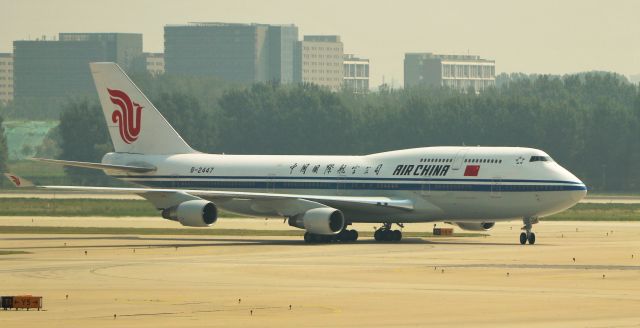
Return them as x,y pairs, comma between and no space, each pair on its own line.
527,235
386,234
343,236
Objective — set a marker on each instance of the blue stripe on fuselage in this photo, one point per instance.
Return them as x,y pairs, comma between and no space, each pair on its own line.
333,178
264,185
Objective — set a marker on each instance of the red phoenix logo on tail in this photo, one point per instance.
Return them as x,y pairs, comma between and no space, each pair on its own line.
128,117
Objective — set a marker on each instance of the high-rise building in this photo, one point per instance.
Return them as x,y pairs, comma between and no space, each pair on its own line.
45,69
321,61
460,72
6,78
234,52
356,74
282,53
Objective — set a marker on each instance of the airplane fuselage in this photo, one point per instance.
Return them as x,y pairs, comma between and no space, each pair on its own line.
464,184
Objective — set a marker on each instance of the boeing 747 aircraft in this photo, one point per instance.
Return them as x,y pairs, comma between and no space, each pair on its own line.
471,187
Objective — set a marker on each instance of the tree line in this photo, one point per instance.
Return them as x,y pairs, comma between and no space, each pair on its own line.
589,123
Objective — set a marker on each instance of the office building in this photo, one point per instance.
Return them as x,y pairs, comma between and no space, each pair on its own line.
282,53
45,69
460,72
234,52
6,78
321,61
356,74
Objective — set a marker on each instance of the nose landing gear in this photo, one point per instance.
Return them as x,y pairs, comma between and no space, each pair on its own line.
527,235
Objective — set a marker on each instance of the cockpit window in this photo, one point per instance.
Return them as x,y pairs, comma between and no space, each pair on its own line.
540,159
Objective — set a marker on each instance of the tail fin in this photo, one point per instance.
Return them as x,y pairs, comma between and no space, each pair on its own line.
134,124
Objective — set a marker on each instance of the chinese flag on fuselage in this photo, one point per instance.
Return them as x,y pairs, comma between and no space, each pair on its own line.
472,170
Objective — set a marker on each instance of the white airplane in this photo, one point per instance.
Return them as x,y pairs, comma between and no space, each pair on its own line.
471,187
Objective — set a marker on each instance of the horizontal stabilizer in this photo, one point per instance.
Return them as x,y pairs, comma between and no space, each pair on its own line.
18,181
98,166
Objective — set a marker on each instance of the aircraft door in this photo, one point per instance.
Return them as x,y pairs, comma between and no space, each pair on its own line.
459,159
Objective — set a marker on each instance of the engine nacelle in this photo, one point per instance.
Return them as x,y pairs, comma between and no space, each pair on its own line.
193,213
473,226
321,221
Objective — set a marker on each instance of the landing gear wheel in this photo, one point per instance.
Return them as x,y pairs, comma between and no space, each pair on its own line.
396,235
378,235
353,234
523,238
385,234
528,235
532,238
347,236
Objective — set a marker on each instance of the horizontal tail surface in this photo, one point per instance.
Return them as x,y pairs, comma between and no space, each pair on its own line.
17,181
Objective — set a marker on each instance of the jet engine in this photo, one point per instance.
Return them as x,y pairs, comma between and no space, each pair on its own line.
321,221
193,213
473,226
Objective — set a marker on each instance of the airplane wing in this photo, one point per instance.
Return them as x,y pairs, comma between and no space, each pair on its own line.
284,204
334,201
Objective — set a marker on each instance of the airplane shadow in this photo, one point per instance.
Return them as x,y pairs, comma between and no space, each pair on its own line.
182,242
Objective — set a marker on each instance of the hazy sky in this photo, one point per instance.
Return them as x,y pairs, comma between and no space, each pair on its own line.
541,36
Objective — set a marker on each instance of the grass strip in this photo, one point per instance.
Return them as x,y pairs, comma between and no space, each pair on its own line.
598,212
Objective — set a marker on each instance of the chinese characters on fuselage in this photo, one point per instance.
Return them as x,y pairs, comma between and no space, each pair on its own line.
343,169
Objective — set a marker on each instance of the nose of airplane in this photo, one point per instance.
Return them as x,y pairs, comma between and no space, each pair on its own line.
577,188
573,190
